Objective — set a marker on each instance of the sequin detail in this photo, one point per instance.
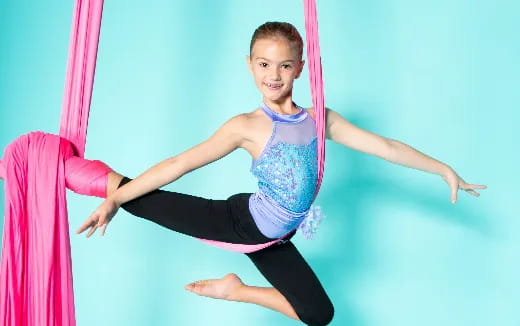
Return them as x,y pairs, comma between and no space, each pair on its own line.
287,173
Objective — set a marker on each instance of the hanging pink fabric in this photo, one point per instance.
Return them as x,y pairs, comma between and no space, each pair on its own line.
316,81
80,72
36,271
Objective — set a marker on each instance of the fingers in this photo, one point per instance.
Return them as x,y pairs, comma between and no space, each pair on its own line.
88,223
103,228
477,186
102,219
94,227
453,195
472,192
93,223
469,188
92,230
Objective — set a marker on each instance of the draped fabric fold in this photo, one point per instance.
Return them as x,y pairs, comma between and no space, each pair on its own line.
36,271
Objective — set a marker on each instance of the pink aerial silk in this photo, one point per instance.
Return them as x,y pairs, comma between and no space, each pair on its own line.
36,285
81,66
316,82
36,271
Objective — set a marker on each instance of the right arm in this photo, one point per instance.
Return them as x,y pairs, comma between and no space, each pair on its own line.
225,140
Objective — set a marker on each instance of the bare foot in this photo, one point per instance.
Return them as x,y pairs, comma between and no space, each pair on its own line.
223,288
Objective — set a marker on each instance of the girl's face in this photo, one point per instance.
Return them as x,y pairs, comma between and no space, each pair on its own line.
274,65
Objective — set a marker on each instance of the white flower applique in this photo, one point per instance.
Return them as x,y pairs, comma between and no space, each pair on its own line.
311,222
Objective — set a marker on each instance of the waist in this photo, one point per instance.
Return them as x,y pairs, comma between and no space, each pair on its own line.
271,218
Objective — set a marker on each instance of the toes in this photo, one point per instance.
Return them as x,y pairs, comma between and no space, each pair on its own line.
196,287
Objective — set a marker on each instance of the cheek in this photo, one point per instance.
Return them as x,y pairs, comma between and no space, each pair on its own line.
290,75
259,76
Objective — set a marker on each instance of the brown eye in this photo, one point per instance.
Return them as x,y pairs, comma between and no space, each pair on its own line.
263,64
286,66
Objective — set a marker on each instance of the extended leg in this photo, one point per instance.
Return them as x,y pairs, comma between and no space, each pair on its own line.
297,292
221,220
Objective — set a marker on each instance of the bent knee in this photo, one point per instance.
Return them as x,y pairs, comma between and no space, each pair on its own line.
317,315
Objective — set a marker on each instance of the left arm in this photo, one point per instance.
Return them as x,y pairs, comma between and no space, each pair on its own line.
345,133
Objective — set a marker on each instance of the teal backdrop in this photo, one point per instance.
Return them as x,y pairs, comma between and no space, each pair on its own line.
441,76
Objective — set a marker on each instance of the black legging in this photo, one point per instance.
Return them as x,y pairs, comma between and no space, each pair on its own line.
230,221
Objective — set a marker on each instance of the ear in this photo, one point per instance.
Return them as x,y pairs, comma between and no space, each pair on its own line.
249,64
300,69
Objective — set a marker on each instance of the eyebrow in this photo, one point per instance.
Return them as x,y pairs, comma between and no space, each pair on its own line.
265,59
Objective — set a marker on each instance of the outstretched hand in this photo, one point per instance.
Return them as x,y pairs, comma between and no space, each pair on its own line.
100,217
455,183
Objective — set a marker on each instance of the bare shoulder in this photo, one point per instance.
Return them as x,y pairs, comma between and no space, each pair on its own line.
336,123
246,119
342,131
333,116
248,127
256,122
239,123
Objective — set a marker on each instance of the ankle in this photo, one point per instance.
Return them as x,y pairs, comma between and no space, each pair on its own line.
239,293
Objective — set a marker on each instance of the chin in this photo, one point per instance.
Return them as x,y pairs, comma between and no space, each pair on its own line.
275,97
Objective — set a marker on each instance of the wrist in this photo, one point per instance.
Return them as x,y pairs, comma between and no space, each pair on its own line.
445,170
114,200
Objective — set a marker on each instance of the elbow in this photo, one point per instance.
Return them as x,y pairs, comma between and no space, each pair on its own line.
390,149
175,168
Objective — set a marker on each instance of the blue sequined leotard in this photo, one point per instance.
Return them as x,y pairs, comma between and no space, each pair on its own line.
287,172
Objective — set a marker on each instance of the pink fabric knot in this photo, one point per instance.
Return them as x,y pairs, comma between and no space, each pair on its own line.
87,177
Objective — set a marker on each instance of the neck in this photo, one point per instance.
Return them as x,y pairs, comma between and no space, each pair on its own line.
282,106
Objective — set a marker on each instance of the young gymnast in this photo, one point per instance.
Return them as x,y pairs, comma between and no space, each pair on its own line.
281,138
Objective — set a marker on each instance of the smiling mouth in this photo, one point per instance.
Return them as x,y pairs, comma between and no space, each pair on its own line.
273,86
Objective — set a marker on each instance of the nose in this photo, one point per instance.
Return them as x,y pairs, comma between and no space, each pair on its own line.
275,74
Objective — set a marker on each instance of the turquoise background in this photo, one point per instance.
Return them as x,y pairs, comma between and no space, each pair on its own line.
441,76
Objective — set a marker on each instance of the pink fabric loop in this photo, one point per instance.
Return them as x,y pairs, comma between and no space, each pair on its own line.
242,248
87,177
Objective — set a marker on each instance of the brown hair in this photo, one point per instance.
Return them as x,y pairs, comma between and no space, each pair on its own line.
276,30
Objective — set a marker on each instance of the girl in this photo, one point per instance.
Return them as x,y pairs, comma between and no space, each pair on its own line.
281,138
